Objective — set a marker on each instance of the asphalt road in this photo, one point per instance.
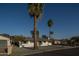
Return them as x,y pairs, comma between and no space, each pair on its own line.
65,52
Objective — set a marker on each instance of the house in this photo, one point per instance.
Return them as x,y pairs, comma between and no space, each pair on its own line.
5,45
45,42
30,42
57,42
27,43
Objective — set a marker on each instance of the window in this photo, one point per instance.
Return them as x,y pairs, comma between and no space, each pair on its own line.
3,43
3,46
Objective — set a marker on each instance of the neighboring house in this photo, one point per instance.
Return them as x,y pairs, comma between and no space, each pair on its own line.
5,45
57,42
28,43
45,42
64,42
41,42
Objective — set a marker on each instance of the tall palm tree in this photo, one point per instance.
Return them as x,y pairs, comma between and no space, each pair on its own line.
51,33
50,23
37,33
35,10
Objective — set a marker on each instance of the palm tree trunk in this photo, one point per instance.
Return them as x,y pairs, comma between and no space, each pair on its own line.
35,37
49,33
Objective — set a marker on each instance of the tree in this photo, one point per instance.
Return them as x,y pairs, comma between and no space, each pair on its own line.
19,38
37,33
35,10
44,37
51,33
16,39
75,40
50,23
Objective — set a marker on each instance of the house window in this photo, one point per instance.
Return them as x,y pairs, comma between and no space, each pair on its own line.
3,46
3,43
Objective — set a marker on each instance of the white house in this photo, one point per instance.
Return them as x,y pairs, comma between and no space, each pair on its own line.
57,42
41,42
46,42
28,43
5,45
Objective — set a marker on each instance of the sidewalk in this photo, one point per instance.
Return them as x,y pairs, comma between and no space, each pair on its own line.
28,51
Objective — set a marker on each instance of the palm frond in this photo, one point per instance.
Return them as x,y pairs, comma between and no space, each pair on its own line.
35,9
50,23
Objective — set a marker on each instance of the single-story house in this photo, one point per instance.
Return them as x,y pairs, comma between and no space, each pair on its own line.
5,45
30,42
57,42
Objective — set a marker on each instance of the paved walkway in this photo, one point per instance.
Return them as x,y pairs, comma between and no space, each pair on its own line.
28,51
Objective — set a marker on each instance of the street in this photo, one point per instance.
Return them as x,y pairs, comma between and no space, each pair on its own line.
64,52
54,50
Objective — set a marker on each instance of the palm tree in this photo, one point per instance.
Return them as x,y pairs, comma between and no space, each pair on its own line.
51,33
50,23
37,33
35,10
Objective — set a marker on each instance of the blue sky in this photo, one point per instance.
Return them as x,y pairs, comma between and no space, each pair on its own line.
15,20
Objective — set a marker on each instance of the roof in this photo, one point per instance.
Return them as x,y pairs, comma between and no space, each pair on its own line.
40,39
4,38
